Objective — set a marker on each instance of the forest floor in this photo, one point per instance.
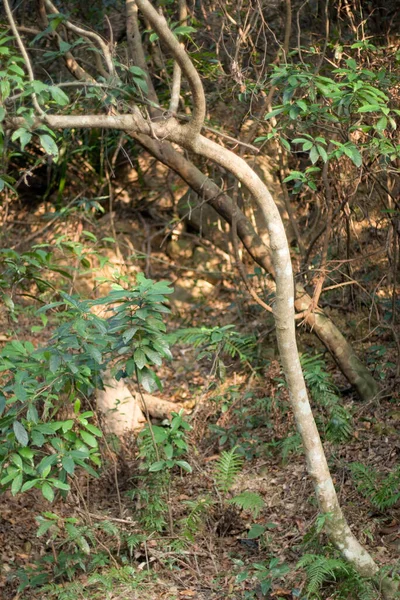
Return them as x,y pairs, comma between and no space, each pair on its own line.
247,409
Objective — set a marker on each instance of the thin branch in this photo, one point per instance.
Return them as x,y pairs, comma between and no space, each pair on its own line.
89,34
25,55
160,25
176,75
135,47
241,268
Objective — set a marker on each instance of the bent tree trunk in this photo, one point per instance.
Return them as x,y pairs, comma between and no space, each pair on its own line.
341,350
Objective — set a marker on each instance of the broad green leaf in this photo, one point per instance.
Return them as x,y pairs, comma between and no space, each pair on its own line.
381,124
169,451
68,464
314,155
17,460
20,433
323,154
256,531
83,544
89,439
93,429
44,526
160,434
59,96
354,154
140,358
16,484
184,465
60,485
39,86
47,491
29,484
370,108
157,466
49,145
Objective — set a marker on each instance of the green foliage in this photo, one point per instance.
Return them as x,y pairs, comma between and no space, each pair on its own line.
266,574
161,449
192,523
348,99
37,449
227,468
383,492
170,443
77,548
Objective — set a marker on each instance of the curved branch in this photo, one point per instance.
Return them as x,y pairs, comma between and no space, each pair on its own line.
176,75
135,49
89,34
25,55
160,25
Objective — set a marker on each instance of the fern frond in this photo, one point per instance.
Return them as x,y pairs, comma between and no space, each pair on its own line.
321,569
227,469
191,524
381,492
250,501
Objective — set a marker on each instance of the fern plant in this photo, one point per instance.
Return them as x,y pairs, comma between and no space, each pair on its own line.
214,341
338,427
249,501
324,571
227,468
192,522
321,570
382,492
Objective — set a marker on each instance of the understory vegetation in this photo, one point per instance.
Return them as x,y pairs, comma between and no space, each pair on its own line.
151,434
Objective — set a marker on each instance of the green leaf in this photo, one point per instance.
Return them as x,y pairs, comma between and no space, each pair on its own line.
139,358
47,491
58,95
157,466
155,357
256,531
381,124
17,460
168,449
83,544
160,434
89,439
43,527
370,108
323,153
20,433
16,484
29,484
314,155
184,465
68,464
354,154
39,86
54,363
60,485
93,429
49,145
